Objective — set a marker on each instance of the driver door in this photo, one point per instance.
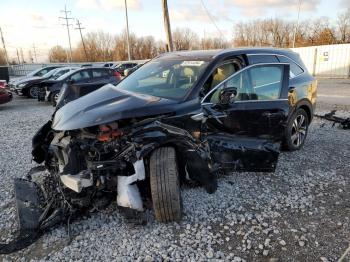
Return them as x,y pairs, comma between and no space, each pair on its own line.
245,133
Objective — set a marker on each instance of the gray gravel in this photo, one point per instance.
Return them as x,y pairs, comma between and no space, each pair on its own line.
299,213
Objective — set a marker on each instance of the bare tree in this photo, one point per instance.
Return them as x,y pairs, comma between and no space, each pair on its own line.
278,33
213,43
99,46
343,23
185,39
320,32
57,54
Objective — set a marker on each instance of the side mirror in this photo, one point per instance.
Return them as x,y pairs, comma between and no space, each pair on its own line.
227,96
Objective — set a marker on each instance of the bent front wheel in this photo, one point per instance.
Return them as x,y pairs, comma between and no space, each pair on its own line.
165,185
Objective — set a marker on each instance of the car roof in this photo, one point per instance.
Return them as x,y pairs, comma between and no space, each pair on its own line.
211,54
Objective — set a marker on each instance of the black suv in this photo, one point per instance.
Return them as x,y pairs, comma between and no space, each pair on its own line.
182,116
86,78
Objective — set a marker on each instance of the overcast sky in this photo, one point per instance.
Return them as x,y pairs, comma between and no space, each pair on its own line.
28,22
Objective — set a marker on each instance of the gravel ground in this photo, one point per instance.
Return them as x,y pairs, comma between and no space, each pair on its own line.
299,213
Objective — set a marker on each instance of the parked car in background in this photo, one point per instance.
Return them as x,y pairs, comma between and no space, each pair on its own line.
29,86
128,71
92,78
36,73
126,65
5,96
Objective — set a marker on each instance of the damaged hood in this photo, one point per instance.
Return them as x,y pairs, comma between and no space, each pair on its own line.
108,104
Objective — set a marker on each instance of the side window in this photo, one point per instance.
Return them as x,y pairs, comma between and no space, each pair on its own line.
266,82
262,59
80,76
96,73
43,72
295,70
222,72
255,83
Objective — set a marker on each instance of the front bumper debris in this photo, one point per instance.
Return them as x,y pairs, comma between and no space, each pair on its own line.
29,210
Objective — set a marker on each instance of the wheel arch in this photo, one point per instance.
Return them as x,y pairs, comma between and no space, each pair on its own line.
306,105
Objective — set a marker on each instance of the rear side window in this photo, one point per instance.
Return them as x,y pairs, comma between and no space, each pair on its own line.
261,59
80,76
295,70
99,73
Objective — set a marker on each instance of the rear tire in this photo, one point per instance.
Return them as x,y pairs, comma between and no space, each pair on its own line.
165,185
296,131
33,92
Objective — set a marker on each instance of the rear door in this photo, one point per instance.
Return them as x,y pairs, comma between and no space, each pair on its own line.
246,134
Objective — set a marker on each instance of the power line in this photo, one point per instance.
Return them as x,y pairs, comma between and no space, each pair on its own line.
82,39
65,11
212,20
3,44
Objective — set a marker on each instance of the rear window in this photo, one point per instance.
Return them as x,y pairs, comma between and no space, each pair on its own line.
294,68
99,73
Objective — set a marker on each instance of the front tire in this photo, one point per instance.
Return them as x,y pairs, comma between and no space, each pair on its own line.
33,92
165,185
296,131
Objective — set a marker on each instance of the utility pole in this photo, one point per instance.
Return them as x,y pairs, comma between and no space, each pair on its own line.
34,50
18,56
297,25
4,46
22,56
66,12
127,30
167,25
82,39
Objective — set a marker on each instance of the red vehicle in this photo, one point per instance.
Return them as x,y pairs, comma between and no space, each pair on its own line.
5,96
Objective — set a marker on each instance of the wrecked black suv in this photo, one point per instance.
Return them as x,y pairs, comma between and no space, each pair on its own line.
181,117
